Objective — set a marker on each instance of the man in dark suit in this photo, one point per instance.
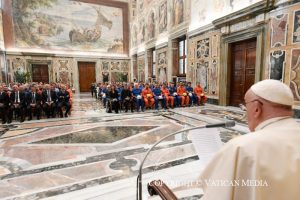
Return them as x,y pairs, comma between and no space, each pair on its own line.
127,98
34,103
4,103
63,98
17,104
49,101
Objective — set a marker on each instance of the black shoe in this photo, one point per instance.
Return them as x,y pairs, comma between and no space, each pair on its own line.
66,115
30,118
9,121
3,122
22,120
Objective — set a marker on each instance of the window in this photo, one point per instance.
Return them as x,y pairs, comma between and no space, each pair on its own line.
153,63
182,56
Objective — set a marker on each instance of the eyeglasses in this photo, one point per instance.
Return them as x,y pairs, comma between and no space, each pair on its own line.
243,105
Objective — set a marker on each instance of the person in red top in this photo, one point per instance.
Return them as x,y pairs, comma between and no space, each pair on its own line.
148,96
185,99
169,98
201,98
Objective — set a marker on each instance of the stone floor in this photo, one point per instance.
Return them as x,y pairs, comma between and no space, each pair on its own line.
96,155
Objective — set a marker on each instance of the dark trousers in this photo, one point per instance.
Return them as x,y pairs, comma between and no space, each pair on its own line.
19,111
60,106
49,109
34,108
92,93
112,105
128,104
3,113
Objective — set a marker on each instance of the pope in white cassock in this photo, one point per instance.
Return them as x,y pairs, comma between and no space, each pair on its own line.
264,164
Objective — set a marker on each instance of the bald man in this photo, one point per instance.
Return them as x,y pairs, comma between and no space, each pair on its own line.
264,164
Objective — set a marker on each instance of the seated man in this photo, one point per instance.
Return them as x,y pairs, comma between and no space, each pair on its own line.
158,97
63,100
49,101
127,99
168,98
173,91
200,96
185,99
192,96
264,164
17,104
4,103
137,97
148,97
34,103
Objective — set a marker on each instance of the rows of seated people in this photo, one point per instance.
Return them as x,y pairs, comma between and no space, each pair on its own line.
141,96
18,101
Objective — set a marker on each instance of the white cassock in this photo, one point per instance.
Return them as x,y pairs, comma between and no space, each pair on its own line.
270,155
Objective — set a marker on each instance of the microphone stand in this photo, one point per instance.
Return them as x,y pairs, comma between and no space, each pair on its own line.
139,178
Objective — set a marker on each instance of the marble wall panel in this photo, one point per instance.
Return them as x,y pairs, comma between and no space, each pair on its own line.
283,48
295,73
296,25
279,30
277,63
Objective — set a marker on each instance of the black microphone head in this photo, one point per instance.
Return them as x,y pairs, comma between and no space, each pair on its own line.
229,123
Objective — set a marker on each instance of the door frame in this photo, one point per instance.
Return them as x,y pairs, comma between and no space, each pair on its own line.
225,69
85,61
41,62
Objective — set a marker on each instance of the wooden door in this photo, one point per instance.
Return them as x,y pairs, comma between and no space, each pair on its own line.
40,73
87,75
243,59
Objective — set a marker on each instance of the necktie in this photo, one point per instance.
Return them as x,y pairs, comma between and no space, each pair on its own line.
17,97
49,96
33,97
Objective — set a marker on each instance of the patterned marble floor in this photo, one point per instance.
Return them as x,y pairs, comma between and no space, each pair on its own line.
96,155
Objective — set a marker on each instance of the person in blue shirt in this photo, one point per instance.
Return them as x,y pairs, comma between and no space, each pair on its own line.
158,97
173,92
104,95
137,97
191,93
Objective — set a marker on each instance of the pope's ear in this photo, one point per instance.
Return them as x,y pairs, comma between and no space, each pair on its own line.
258,109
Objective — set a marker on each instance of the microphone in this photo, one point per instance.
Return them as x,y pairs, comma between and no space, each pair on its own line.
227,124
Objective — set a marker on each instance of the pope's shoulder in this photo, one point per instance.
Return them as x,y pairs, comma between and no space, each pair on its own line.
285,130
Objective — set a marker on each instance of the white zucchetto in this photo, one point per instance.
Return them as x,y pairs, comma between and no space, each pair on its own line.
274,91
